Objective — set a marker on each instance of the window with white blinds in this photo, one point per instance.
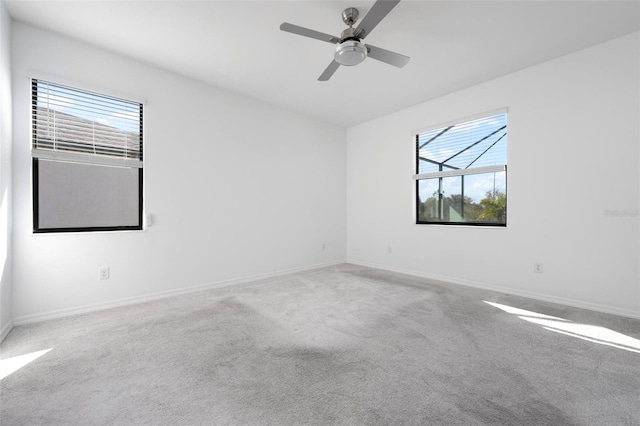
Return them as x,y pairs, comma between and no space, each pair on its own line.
85,127
87,160
461,173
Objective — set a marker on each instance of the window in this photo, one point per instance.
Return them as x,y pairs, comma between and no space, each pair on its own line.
87,160
461,173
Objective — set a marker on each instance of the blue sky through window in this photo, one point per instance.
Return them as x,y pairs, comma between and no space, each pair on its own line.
117,113
476,143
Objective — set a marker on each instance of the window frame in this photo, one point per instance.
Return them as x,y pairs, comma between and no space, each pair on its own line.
417,177
35,162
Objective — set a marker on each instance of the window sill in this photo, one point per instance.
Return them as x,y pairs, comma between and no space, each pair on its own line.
444,225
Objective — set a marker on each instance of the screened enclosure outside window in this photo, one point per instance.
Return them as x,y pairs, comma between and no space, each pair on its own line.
87,160
461,173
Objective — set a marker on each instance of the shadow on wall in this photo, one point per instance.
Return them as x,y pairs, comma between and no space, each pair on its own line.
4,251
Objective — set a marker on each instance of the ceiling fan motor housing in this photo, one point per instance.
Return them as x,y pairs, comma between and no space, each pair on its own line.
350,15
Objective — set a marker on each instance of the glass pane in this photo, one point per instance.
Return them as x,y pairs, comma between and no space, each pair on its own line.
473,199
428,200
86,196
440,199
486,197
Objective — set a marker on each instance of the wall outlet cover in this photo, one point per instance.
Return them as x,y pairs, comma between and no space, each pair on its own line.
104,273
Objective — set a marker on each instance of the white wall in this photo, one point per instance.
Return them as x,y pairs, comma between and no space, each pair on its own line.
237,188
5,173
573,152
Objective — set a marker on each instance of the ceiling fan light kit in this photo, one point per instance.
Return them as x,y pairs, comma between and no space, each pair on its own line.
350,52
350,49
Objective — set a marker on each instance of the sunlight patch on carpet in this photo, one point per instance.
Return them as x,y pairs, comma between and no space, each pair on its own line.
590,333
13,364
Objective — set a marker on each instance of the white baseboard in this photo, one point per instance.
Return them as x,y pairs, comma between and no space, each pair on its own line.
614,310
5,330
60,313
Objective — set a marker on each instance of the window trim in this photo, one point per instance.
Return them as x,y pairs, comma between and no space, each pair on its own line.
35,155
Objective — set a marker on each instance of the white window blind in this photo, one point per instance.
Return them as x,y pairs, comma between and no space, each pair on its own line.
461,147
79,126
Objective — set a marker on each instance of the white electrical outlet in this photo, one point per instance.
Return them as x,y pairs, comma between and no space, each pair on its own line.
537,267
324,246
389,249
104,273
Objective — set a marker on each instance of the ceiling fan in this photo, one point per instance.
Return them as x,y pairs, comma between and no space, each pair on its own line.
350,49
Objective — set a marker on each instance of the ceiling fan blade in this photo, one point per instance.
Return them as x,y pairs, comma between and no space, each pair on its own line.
326,75
378,11
387,56
295,29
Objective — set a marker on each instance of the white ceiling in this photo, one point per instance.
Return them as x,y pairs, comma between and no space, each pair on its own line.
237,45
